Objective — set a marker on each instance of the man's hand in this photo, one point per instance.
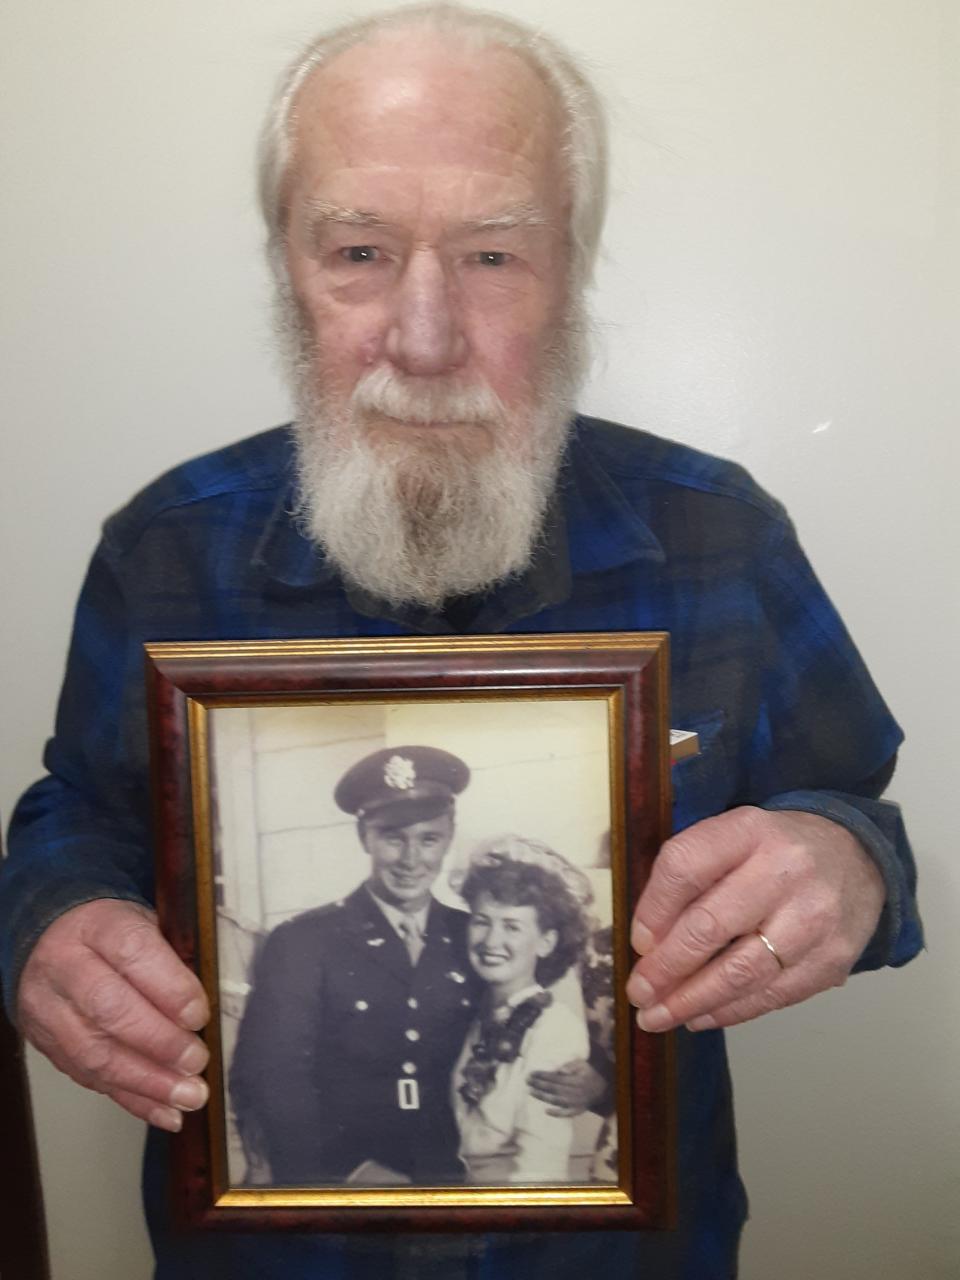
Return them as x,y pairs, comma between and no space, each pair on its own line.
804,881
570,1090
105,997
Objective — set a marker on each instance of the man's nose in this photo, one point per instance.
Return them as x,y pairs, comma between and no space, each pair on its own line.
425,335
409,853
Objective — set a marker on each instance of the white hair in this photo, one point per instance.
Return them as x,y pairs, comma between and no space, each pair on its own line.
583,142
422,520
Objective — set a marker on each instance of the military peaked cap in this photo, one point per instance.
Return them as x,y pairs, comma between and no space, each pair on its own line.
402,785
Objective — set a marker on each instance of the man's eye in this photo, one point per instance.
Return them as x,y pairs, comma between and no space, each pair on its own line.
359,253
493,258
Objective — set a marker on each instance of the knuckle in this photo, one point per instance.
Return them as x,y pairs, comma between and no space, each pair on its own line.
802,863
704,931
839,971
822,913
738,971
132,941
676,863
775,998
30,1007
92,1060
753,820
105,1002
39,1035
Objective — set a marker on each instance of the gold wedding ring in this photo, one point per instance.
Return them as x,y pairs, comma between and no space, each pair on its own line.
770,947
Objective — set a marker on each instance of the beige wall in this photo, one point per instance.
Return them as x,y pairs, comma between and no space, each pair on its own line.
780,286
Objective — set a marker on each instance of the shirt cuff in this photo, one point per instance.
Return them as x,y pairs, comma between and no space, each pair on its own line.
878,825
54,901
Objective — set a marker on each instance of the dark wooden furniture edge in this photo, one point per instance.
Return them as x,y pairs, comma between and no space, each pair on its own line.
23,1234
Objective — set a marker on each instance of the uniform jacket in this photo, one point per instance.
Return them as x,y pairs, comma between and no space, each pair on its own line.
346,1049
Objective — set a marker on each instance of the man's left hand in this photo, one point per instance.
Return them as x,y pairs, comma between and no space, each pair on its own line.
570,1090
802,881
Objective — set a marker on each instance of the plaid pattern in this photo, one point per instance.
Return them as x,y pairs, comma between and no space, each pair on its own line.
644,534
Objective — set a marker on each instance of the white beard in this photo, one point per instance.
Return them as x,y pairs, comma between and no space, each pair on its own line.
418,515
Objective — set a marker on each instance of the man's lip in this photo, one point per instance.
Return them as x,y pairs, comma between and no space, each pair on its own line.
413,424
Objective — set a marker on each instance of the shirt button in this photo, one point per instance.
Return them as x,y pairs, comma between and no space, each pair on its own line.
361,1005
409,1068
412,1034
413,1003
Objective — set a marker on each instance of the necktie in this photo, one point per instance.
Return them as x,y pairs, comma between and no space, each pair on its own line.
412,940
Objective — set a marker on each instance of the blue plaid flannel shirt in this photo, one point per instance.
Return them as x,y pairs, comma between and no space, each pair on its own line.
644,534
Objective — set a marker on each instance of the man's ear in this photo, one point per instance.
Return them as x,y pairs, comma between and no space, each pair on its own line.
362,834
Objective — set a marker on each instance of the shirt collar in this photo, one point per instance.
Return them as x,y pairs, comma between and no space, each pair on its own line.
605,529
503,1011
590,527
395,917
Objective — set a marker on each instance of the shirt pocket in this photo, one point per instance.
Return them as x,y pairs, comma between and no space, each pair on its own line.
703,784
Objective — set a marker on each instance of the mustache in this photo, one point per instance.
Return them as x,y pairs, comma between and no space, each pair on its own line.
385,391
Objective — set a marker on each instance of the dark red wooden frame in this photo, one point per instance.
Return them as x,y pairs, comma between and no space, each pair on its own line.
258,672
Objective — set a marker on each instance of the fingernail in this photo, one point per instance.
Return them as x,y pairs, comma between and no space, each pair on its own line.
641,938
193,1059
166,1118
703,1023
189,1095
640,991
656,1019
194,1015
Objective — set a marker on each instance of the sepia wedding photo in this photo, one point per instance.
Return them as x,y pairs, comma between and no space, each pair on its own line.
397,876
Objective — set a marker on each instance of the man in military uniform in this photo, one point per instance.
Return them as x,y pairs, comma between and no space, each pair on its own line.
359,1008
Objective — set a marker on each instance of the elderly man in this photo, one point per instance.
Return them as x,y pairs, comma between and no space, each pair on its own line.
433,185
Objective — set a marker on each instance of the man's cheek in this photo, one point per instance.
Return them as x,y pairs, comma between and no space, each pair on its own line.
511,365
345,352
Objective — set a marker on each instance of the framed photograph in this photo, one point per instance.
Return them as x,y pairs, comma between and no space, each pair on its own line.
404,869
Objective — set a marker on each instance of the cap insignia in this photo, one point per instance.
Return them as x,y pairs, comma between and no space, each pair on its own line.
399,773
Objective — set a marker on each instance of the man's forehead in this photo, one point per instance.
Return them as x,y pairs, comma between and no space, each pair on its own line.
402,104
442,822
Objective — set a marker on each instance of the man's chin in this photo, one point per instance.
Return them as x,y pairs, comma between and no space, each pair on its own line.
404,894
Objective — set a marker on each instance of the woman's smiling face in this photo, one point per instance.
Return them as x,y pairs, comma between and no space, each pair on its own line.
505,941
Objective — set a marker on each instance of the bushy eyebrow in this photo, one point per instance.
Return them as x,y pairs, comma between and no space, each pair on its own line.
322,211
519,216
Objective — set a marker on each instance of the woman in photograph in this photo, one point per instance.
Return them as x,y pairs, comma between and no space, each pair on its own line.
528,926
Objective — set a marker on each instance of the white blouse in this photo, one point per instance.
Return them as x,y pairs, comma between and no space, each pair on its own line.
508,1136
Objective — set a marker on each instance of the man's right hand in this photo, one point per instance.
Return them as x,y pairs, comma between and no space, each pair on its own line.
109,1002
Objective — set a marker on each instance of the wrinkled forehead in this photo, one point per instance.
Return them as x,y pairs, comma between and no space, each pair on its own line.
415,101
